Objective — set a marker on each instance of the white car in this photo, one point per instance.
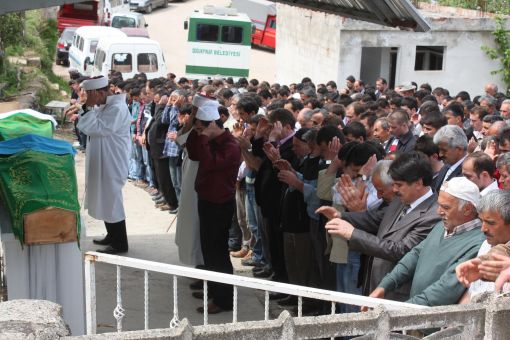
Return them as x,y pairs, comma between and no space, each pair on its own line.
147,5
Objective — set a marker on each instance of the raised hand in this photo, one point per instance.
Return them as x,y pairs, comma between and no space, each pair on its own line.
328,212
263,127
354,196
283,164
276,132
468,272
490,269
369,166
333,148
271,152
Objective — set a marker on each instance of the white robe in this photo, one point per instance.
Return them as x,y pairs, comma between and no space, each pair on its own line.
107,159
187,230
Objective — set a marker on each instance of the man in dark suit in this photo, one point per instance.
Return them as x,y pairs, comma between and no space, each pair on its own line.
402,139
156,132
387,235
269,190
452,144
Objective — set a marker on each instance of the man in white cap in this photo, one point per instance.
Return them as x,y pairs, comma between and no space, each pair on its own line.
431,264
107,162
219,157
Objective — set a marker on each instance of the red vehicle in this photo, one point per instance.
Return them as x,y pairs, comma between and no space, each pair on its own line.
88,13
263,16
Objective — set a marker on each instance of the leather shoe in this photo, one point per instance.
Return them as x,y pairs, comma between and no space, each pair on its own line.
196,285
161,200
112,250
102,241
277,296
198,295
290,300
264,273
212,308
241,253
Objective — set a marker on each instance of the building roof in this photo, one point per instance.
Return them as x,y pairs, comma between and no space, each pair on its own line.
394,13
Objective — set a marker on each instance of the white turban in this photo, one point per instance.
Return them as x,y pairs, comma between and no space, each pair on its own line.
462,188
208,111
94,83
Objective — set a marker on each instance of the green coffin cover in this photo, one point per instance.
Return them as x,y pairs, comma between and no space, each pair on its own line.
33,180
20,124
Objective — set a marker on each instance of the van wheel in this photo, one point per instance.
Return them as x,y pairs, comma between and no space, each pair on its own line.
149,9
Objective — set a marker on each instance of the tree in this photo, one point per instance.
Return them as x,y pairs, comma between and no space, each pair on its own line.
11,33
502,50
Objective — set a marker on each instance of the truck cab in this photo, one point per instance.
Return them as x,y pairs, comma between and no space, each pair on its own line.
87,13
263,16
219,43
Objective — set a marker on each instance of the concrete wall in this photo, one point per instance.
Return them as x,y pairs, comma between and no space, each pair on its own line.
328,47
308,44
33,319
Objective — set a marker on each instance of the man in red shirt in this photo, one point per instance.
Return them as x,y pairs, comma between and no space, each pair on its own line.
219,157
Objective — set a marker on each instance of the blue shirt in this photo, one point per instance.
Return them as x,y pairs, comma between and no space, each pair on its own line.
169,116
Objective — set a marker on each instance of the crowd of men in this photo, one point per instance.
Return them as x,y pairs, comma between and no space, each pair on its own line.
394,193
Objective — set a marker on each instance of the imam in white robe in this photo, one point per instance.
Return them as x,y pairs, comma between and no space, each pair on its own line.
107,158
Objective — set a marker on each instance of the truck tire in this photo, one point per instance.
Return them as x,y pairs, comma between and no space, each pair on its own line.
165,3
149,9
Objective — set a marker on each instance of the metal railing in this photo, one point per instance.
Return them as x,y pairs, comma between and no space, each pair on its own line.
91,258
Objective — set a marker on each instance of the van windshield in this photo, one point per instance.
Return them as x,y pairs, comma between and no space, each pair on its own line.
119,22
147,62
231,34
122,62
207,32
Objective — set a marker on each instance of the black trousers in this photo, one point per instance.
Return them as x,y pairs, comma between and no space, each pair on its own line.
275,235
118,235
215,220
165,186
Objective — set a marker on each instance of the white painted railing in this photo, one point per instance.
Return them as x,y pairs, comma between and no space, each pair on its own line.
237,281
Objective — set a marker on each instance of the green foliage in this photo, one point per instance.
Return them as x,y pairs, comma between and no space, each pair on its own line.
502,50
29,34
12,78
492,6
11,28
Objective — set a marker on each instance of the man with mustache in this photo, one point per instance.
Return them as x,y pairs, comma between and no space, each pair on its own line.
452,143
457,238
478,273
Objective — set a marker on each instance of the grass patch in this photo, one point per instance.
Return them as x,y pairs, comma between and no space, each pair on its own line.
38,40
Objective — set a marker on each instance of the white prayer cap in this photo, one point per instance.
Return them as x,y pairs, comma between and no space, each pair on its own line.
200,99
462,188
208,111
296,95
94,83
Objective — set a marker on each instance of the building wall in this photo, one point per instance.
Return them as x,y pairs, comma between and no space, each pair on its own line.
308,44
328,47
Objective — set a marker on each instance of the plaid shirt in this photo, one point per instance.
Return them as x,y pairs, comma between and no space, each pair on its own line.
169,116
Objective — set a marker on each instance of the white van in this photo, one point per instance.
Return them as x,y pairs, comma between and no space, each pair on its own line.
81,52
130,55
128,19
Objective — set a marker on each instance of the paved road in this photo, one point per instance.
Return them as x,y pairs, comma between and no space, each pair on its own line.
166,25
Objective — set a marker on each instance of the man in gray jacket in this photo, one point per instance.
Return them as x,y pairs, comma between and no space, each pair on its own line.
387,235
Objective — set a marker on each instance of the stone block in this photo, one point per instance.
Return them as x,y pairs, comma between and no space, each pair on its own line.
18,61
34,61
31,319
